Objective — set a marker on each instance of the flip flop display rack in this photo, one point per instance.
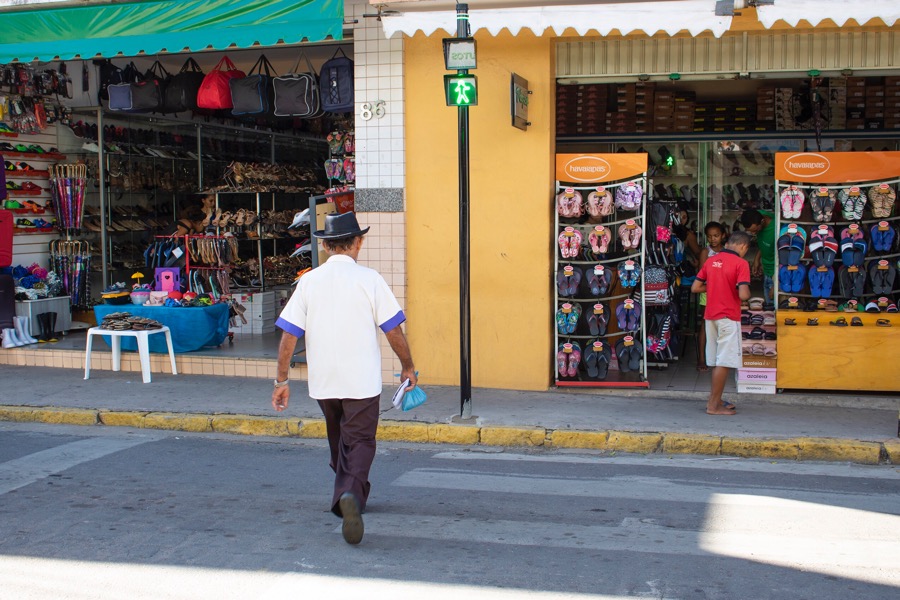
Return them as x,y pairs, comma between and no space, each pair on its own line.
838,252
67,187
71,260
600,321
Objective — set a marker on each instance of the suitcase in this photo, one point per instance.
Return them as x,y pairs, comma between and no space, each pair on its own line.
6,238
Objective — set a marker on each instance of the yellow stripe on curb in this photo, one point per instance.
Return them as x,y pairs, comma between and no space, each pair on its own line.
892,449
513,436
16,414
691,443
402,431
460,435
592,440
117,418
639,443
312,428
761,448
178,421
867,453
247,425
65,416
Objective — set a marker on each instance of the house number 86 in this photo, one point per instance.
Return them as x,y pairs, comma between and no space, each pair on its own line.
372,109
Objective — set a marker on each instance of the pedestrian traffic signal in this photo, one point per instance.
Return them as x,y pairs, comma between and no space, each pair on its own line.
461,90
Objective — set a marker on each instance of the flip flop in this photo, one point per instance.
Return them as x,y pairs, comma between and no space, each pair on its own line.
562,284
574,359
635,356
604,357
883,323
591,358
574,282
839,322
562,320
562,362
856,322
790,321
575,243
572,319
623,355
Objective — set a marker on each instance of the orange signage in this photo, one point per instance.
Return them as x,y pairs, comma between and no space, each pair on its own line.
594,168
836,167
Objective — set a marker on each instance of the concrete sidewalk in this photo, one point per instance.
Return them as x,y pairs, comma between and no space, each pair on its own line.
607,421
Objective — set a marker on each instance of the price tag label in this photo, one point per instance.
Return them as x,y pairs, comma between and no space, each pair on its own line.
628,340
882,302
853,269
567,348
883,265
566,308
598,309
600,229
569,231
629,266
793,188
792,228
822,269
823,228
853,228
854,191
823,191
630,224
883,226
793,302
792,267
599,270
630,184
568,271
601,190
629,303
570,192
884,187
598,346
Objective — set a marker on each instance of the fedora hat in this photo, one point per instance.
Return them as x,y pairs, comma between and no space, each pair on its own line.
339,226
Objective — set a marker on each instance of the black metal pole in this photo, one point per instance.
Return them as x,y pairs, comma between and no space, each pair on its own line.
465,332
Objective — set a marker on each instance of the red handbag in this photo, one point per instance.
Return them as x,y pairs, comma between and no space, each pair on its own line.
215,91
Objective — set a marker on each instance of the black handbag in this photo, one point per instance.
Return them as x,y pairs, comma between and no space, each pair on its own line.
297,92
252,95
181,93
148,94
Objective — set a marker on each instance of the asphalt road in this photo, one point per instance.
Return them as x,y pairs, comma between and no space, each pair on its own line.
113,513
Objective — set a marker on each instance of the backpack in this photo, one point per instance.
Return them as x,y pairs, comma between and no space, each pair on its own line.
297,93
336,84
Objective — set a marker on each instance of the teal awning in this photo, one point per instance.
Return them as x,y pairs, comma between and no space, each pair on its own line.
155,26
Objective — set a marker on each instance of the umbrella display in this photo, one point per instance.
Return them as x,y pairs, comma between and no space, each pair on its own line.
67,190
71,261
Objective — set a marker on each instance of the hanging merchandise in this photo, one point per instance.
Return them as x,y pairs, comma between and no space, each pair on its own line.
838,257
120,93
297,93
215,91
71,261
149,94
336,83
600,279
67,189
252,95
181,92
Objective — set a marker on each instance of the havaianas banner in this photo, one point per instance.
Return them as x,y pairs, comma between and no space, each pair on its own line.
155,26
836,167
596,168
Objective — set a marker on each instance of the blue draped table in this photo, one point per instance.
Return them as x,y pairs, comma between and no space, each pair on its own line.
192,327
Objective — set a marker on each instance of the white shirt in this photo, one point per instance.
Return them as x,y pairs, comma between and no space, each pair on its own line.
339,307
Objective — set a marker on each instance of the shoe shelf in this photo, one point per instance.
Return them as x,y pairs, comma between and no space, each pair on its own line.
17,174
50,156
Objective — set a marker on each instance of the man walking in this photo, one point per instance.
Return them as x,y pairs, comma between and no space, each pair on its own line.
726,280
339,307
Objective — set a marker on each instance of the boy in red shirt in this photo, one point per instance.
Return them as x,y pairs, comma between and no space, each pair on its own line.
726,280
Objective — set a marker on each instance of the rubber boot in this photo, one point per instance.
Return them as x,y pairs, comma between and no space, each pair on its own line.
42,325
22,326
51,327
10,340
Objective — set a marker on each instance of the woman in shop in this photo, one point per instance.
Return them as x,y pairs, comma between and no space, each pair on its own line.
687,236
715,242
191,221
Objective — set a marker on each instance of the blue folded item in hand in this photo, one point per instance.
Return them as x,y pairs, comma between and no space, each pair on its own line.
413,398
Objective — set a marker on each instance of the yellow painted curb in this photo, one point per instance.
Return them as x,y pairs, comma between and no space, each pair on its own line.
116,418
579,439
868,453
761,448
513,436
312,428
177,421
249,425
892,447
402,431
691,443
16,413
639,443
442,433
65,416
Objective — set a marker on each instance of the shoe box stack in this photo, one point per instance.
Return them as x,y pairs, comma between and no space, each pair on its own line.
674,111
765,107
581,109
892,102
758,355
837,102
784,109
623,97
260,314
644,106
727,116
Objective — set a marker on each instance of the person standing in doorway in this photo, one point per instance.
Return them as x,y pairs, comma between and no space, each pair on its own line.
715,242
761,224
339,307
726,280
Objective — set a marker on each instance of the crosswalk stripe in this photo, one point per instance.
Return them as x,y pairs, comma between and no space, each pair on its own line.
26,470
629,487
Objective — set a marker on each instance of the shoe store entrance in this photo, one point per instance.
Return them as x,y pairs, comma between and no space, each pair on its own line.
190,177
712,148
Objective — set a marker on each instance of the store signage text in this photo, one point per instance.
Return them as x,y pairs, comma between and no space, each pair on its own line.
807,165
518,102
587,168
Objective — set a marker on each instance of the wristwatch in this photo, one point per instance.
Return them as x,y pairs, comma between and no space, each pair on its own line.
284,383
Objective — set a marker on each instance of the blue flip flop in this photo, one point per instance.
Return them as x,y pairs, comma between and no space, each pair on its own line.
795,252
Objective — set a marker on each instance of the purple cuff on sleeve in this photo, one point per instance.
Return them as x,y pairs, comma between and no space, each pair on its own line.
289,327
393,322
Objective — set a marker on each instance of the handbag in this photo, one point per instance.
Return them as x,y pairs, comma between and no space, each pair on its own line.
120,93
181,93
148,95
251,95
297,93
215,91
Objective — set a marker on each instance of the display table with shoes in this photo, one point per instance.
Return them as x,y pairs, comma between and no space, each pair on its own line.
192,328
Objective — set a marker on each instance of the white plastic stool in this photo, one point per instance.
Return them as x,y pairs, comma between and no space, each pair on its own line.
143,344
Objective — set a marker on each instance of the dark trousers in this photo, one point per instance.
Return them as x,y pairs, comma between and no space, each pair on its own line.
351,425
